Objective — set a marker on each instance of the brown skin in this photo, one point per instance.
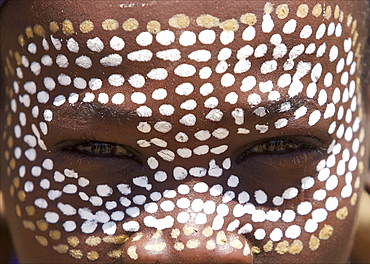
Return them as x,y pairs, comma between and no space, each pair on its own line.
254,172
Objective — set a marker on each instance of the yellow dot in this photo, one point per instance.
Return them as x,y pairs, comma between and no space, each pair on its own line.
110,24
42,240
193,243
53,26
29,225
29,32
341,16
342,213
42,225
268,246
76,253
208,231
314,243
61,248
10,142
39,30
179,21
115,253
230,25
354,199
21,195
326,232
11,190
55,234
18,58
327,13
21,40
12,163
7,155
317,10
86,26
282,247
67,27
30,210
269,8
93,241
131,252
73,241
92,255
179,246
302,11
282,11
248,19
153,27
16,182
256,250
336,12
349,20
18,210
208,21
130,24
175,233
296,247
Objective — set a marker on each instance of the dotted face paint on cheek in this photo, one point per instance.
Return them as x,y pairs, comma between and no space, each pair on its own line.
191,85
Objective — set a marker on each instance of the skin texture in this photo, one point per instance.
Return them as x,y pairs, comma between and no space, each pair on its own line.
125,141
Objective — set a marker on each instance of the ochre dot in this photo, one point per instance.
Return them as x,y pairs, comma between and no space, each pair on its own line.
336,12
193,243
354,199
118,240
73,241
67,27
42,240
221,238
230,25
349,20
86,26
328,12
256,250
7,155
92,255
55,234
188,230
208,231
39,30
12,163
18,210
137,236
130,24
115,254
317,10
21,40
207,21
11,190
341,16
21,195
29,225
158,234
268,246
16,182
179,21
131,252
29,32
110,24
30,210
249,19
18,58
61,248
210,244
296,247
302,11
269,8
282,11
42,225
282,247
314,243
175,233
179,246
153,27
326,232
93,241
76,253
236,243
53,26
10,142
342,213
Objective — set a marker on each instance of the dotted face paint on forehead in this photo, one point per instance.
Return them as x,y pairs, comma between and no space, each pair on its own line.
194,91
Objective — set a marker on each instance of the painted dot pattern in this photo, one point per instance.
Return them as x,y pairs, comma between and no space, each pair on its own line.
117,209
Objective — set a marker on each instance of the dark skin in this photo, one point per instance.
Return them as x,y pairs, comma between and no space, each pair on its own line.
90,136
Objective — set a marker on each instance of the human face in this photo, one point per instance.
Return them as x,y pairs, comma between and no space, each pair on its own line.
182,132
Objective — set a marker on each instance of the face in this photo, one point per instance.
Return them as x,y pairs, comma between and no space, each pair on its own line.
182,132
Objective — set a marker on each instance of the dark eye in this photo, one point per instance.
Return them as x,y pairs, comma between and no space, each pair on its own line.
101,149
276,146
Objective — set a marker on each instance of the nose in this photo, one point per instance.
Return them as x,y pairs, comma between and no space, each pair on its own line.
187,244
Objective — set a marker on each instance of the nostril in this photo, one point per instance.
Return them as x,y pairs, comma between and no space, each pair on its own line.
187,245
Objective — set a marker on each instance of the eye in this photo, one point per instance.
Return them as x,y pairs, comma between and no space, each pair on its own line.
99,149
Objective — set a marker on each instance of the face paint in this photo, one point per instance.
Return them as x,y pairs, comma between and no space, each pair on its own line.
134,138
